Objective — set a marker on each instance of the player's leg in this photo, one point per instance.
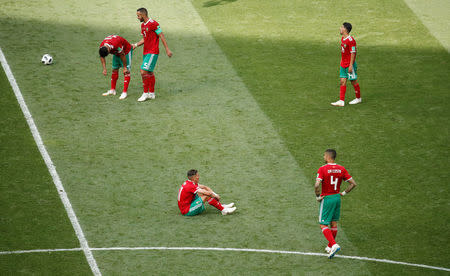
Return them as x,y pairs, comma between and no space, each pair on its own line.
326,209
227,209
334,222
343,74
152,80
114,77
197,207
116,64
353,79
148,77
127,77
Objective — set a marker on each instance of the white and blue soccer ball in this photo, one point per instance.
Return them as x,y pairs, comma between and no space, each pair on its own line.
47,59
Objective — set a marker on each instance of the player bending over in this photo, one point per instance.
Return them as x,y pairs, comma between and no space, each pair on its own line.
122,51
151,32
331,176
348,66
191,197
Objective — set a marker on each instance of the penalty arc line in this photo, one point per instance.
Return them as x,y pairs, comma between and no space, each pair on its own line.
51,167
144,248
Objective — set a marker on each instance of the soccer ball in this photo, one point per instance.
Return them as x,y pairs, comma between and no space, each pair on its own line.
47,59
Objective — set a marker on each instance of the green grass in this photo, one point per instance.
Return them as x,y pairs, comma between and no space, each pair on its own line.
32,215
255,128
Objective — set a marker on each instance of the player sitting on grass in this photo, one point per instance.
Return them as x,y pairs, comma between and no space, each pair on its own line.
191,197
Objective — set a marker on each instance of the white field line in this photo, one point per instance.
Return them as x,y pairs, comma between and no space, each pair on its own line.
51,168
228,249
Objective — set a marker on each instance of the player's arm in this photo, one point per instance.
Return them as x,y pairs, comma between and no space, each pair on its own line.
164,42
103,61
352,57
352,60
317,189
137,44
123,58
208,190
350,187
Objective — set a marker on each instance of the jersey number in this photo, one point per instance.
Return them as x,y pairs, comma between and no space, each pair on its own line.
334,182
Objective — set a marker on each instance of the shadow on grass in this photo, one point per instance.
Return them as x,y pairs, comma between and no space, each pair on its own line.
399,127
213,3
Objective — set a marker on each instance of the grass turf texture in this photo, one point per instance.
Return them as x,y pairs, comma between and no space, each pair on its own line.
122,162
32,215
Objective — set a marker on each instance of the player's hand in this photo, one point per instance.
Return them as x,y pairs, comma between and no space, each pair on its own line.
134,45
350,69
169,53
104,72
319,198
126,71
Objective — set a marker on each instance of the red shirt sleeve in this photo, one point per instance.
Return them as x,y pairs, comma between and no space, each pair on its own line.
347,176
352,46
320,173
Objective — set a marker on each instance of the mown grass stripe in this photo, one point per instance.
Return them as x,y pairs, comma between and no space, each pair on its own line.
51,167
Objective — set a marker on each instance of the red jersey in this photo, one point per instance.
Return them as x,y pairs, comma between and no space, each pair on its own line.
332,175
150,30
348,47
186,195
118,43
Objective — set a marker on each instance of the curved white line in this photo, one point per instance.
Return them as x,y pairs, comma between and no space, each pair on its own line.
229,249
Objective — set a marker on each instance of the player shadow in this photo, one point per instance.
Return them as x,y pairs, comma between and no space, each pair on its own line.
213,3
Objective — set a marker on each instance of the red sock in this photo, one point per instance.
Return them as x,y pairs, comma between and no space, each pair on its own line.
152,81
114,77
126,82
329,236
214,202
334,233
342,92
357,90
145,82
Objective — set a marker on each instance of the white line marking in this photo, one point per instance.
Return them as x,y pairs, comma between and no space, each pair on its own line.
39,251
228,249
51,168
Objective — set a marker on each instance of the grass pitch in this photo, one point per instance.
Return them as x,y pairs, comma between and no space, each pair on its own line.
253,116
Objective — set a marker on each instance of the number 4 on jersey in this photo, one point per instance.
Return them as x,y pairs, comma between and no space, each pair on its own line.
334,182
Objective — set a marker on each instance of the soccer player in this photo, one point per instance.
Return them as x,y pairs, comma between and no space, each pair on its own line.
348,66
122,51
331,176
151,32
191,197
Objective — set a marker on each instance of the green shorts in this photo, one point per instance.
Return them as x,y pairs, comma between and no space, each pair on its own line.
330,209
149,62
343,73
197,207
117,62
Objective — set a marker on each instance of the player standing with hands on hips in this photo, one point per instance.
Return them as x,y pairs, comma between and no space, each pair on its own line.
331,176
348,66
151,32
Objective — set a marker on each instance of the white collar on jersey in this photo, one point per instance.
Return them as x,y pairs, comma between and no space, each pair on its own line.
331,163
149,19
347,37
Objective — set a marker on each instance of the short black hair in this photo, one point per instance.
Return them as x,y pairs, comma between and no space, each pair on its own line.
347,26
142,10
191,173
332,153
103,51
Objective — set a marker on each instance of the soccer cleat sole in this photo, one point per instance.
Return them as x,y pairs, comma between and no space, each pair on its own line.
334,253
